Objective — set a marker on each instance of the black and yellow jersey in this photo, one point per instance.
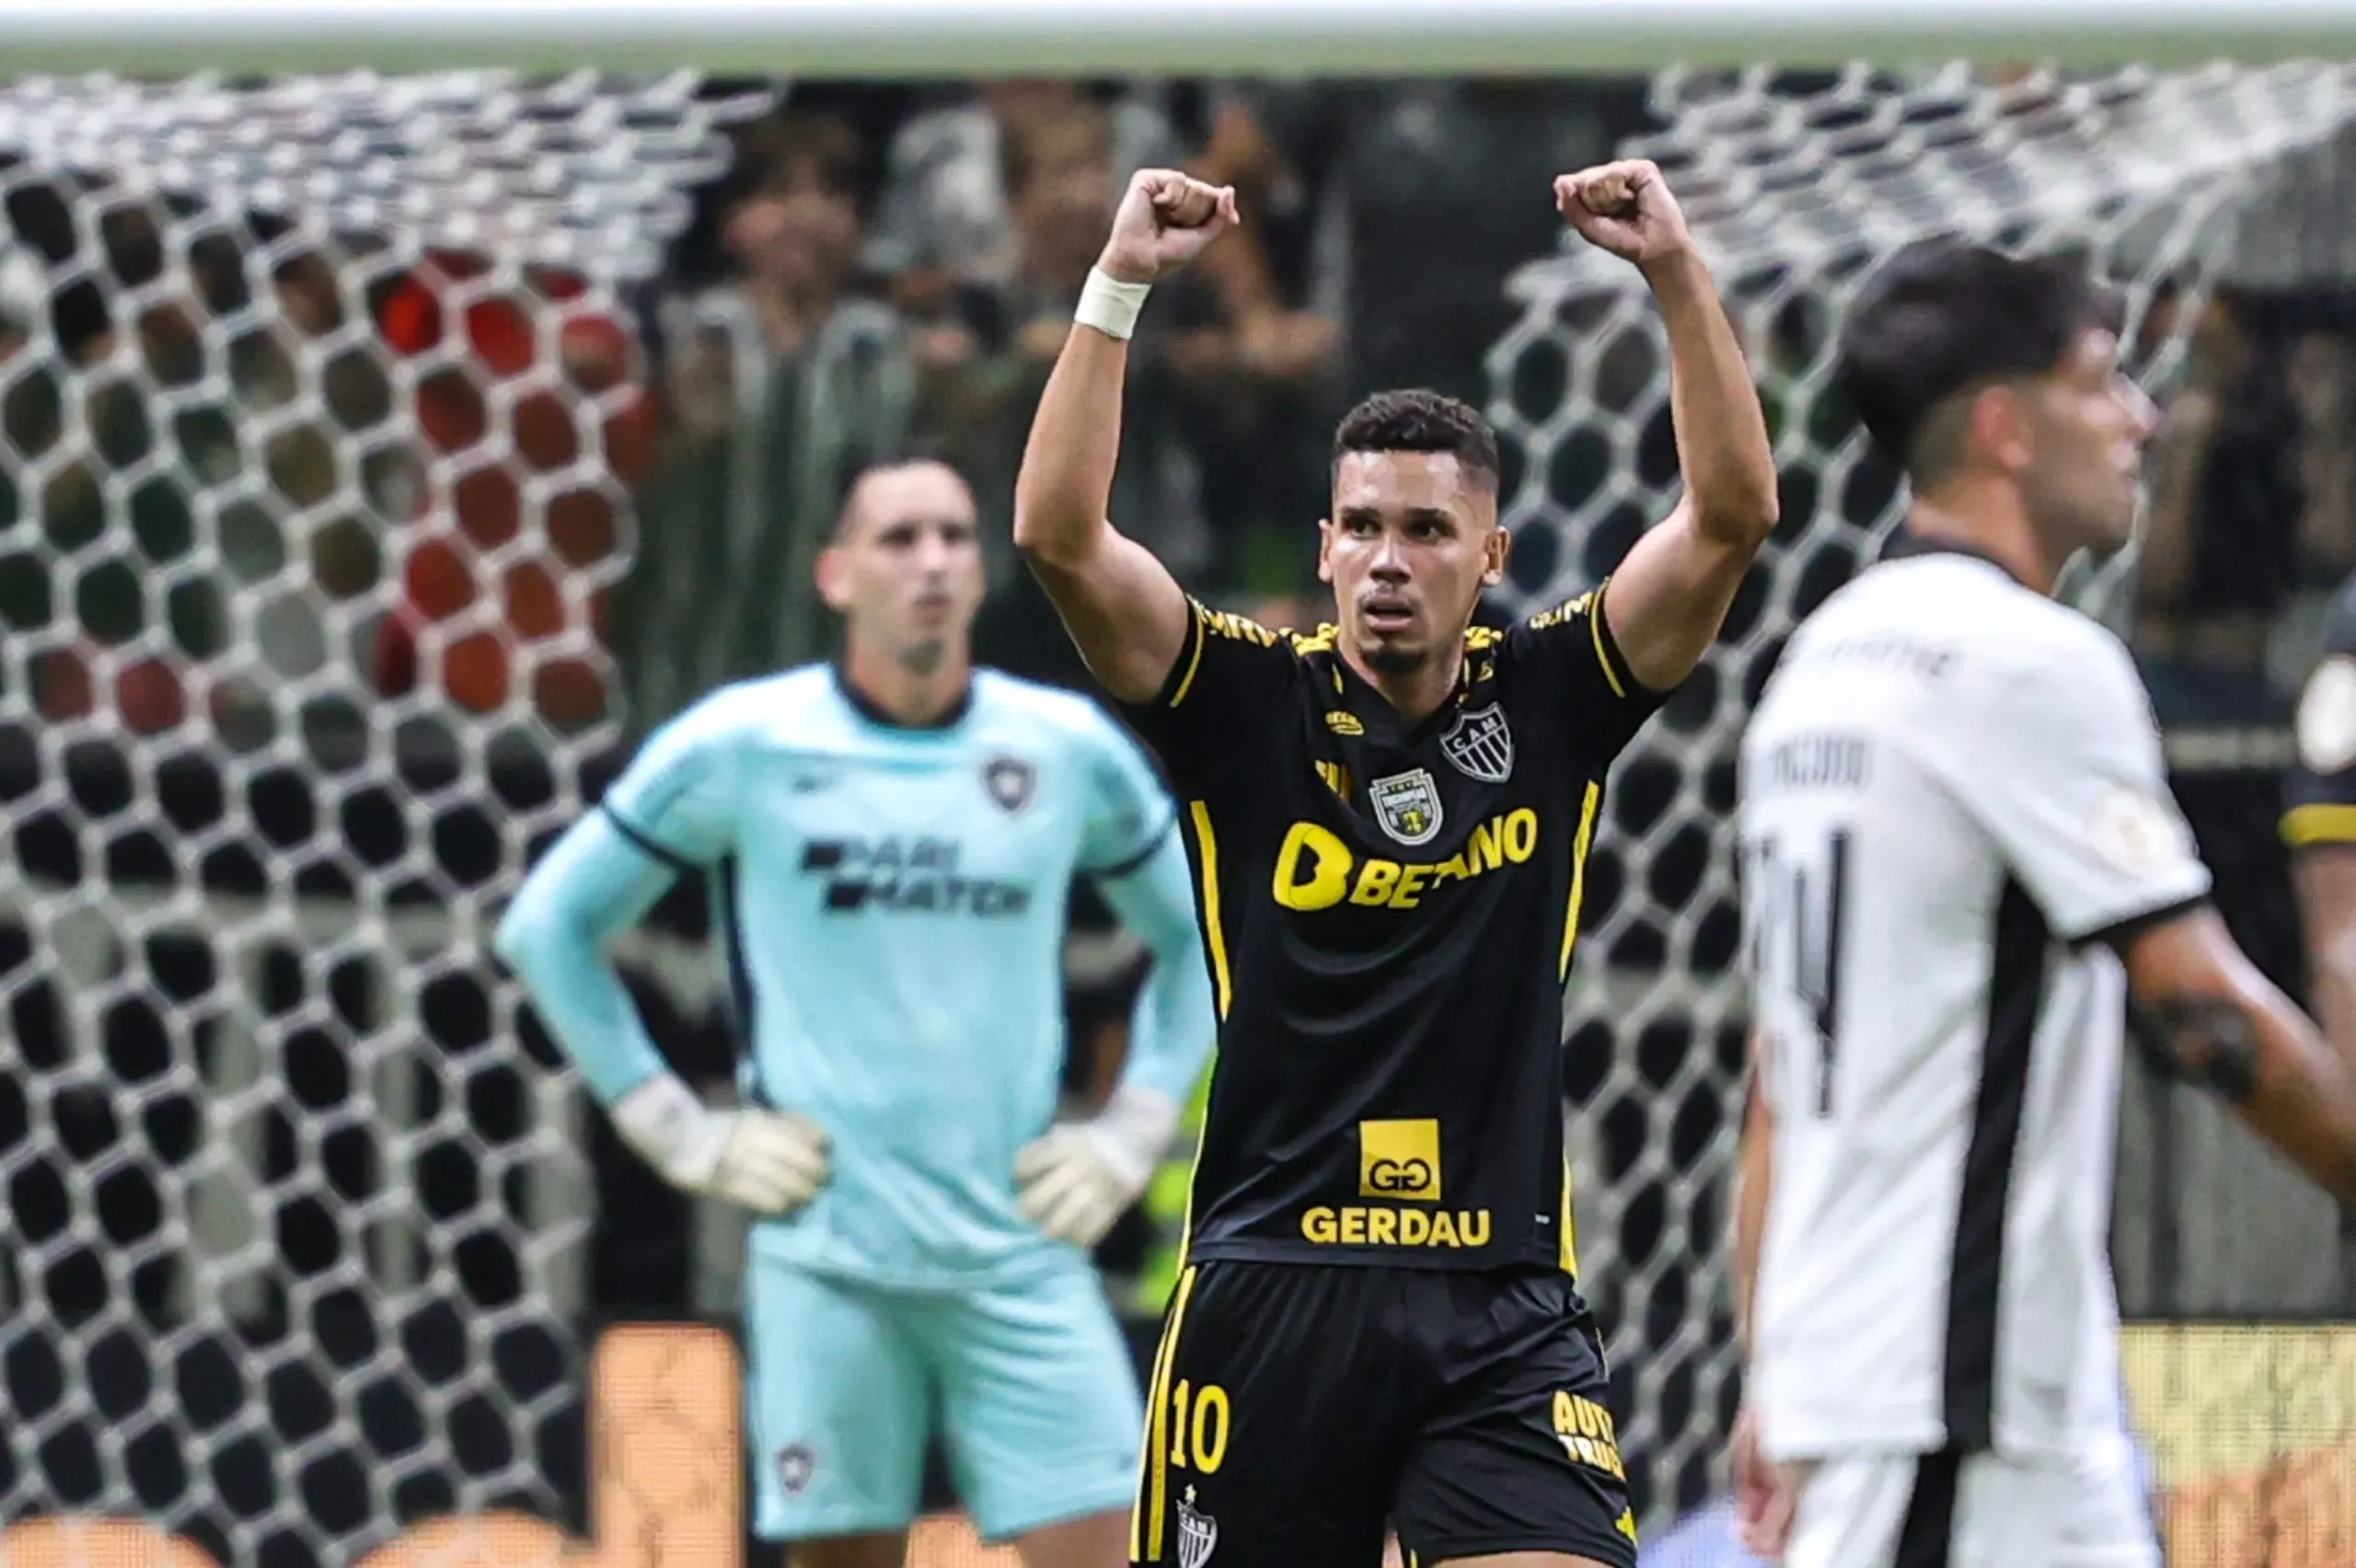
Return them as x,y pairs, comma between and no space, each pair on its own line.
2319,793
1389,912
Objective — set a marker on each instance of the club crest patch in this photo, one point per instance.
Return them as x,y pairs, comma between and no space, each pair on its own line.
1198,1533
1009,780
1480,743
1407,805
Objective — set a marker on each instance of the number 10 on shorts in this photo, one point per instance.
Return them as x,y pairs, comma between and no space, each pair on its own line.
1197,1428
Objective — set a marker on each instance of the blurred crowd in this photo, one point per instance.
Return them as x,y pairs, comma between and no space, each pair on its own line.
417,471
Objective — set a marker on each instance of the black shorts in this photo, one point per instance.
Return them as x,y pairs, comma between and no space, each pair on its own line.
1295,1408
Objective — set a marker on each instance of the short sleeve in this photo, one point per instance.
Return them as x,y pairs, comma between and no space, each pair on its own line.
675,799
2319,792
1232,680
1128,813
2065,774
1570,649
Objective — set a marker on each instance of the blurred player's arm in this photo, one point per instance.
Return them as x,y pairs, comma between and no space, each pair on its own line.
2319,824
1764,1495
1754,1173
2324,878
669,813
1078,1179
1123,610
2206,1015
1670,593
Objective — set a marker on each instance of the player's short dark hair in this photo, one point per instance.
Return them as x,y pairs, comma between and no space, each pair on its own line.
909,455
1945,317
1420,420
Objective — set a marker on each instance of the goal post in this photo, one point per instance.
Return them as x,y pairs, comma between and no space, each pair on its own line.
2172,183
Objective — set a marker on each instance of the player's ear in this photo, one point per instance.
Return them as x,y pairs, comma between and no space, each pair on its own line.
1325,549
2000,427
1496,546
834,582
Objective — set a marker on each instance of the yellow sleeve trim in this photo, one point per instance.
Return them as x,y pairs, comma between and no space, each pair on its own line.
1595,629
1195,656
2319,824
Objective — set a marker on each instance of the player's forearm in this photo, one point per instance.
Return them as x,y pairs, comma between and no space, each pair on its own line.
1722,448
1064,489
2212,1018
1176,1018
2283,1079
590,887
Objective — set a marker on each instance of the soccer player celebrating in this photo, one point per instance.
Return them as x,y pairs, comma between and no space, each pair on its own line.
1961,860
1388,819
891,841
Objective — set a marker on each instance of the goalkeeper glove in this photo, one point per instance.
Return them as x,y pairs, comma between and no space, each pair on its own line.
769,1161
1080,1177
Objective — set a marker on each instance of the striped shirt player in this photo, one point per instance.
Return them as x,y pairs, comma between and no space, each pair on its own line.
1952,807
1960,862
1962,865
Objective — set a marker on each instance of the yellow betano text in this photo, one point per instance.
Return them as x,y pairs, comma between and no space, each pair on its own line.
1316,870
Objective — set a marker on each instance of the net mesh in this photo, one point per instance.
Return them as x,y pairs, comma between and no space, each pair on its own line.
1795,185
318,403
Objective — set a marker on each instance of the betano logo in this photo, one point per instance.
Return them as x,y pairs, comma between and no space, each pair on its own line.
1316,869
666,1485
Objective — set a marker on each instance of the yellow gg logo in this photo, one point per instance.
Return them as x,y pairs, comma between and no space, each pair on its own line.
1400,1159
1316,870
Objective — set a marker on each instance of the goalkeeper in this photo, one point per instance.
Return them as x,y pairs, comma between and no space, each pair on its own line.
891,841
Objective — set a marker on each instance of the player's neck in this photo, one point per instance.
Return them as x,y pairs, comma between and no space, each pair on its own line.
1987,520
1414,694
913,694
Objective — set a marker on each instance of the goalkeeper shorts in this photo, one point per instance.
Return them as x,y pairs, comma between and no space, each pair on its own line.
1034,1385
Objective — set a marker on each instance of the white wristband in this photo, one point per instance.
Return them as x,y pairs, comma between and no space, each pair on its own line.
1109,305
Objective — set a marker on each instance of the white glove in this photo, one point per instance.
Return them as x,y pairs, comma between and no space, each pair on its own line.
1080,1177
769,1161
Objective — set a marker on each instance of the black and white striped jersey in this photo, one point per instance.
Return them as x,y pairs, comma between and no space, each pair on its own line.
1952,805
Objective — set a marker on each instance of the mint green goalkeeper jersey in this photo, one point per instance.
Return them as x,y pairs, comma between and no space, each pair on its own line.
891,902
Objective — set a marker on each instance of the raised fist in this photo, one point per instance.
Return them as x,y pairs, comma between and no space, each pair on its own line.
1625,208
1163,222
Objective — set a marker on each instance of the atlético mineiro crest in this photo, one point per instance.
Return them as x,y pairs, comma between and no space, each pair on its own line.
1198,1533
1407,805
1481,744
1009,780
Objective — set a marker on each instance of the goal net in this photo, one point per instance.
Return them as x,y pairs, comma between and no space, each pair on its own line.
319,409
2174,184
318,403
